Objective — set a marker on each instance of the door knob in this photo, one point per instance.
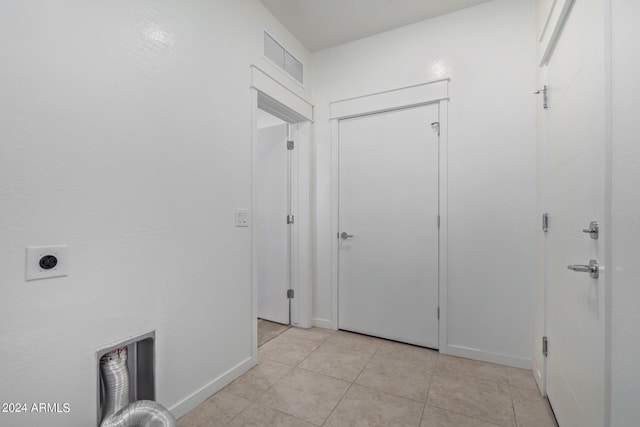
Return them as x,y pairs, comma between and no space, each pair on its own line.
593,230
344,235
593,268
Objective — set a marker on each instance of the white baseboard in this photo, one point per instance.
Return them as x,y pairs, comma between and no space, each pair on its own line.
199,396
324,323
483,356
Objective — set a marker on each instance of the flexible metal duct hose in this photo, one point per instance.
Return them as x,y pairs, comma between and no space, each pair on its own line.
116,410
115,377
141,413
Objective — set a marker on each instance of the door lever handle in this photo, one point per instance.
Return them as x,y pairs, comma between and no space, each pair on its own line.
344,235
593,268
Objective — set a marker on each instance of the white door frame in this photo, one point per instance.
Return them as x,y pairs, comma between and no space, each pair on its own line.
427,93
278,100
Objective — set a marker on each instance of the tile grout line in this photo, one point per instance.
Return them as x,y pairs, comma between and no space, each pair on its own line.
465,414
426,399
376,351
309,339
337,404
513,405
297,366
308,355
238,414
265,392
350,385
285,329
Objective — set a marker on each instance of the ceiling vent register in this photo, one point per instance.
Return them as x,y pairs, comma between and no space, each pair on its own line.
282,58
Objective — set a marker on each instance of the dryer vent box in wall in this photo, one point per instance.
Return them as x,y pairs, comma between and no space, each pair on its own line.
141,364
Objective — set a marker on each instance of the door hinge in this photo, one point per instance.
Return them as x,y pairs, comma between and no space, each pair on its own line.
438,221
545,97
545,346
545,222
290,293
290,219
290,145
438,313
436,127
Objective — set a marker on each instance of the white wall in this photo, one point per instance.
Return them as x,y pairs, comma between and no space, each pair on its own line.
125,133
488,51
625,250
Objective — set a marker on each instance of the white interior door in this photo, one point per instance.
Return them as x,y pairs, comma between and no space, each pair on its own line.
273,234
388,203
576,176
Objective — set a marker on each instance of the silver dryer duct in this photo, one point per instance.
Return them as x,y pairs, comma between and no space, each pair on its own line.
116,409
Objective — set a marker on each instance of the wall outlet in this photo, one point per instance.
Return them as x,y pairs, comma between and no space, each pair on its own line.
44,262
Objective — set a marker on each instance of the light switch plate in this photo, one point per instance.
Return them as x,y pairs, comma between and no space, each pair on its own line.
35,253
242,217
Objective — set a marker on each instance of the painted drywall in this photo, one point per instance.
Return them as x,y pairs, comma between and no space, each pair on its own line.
125,133
625,227
488,51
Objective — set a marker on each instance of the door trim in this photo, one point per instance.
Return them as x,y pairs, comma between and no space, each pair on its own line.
557,15
283,103
413,96
410,96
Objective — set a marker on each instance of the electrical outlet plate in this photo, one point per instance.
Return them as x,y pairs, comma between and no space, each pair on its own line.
35,253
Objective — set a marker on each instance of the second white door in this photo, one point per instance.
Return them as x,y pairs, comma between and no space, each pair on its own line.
273,234
388,222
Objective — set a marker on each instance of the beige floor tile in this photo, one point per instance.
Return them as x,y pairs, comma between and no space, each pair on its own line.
393,380
362,406
256,381
401,376
337,362
522,378
305,395
435,417
532,410
319,335
408,352
261,416
216,411
269,330
287,350
355,341
475,397
474,368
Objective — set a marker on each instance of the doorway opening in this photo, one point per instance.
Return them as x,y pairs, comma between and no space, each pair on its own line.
274,170
281,271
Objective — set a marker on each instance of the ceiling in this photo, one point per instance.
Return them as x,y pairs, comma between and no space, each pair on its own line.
320,24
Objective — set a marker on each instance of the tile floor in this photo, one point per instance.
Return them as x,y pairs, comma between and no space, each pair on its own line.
269,330
318,377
